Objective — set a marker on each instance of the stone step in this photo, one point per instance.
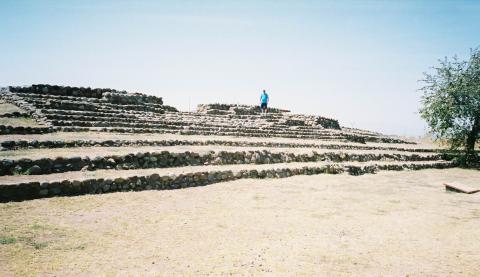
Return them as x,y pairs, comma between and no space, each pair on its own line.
205,147
46,161
60,120
151,118
21,104
102,117
47,97
55,101
168,115
360,131
193,126
57,90
112,95
120,121
127,114
14,114
89,134
87,121
81,106
179,120
184,127
217,132
8,130
17,188
186,116
226,127
42,144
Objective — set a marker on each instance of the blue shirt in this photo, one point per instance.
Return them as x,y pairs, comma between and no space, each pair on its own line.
264,98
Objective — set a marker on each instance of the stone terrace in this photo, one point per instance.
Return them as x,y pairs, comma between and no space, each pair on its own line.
107,110
103,140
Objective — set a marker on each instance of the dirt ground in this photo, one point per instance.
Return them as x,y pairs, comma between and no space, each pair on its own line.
391,223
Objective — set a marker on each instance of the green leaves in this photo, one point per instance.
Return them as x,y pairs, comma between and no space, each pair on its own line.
451,101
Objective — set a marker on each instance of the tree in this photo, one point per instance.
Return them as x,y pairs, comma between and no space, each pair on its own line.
451,102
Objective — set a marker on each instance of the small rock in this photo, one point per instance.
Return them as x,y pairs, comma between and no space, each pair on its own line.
8,144
35,170
17,169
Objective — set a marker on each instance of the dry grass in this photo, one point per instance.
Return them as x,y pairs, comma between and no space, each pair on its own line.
8,108
25,244
392,223
19,121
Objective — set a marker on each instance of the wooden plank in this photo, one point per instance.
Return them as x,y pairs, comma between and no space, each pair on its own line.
461,188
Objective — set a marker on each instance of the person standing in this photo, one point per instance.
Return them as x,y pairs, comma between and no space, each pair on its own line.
264,102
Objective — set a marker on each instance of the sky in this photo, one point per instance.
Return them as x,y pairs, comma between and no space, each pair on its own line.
355,61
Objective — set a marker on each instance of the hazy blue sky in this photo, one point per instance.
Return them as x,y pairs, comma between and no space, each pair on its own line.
357,61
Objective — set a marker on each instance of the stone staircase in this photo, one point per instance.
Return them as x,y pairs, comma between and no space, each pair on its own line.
103,140
37,162
74,109
17,188
38,168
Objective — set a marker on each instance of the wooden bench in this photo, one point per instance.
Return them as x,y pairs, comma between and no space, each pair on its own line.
461,188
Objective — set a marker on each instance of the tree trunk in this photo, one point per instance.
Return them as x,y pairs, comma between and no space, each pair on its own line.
471,139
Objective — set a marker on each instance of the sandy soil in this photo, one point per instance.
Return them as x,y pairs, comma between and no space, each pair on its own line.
391,223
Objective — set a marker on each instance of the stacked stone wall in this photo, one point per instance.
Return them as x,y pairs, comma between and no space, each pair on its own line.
73,108
15,114
166,159
217,108
20,130
108,95
33,190
35,144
